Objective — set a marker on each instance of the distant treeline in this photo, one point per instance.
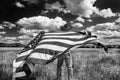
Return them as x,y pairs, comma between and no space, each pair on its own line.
11,45
84,46
99,46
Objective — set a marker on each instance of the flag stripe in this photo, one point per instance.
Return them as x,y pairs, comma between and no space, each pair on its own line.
64,33
47,51
89,39
27,69
36,61
19,59
20,74
55,43
24,53
66,36
19,69
18,63
68,42
71,39
40,56
52,47
59,33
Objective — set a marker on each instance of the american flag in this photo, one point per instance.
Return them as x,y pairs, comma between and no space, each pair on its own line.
50,45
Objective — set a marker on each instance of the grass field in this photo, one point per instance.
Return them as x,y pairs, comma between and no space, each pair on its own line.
89,64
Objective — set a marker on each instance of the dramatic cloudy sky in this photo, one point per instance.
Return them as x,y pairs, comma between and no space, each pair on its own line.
21,20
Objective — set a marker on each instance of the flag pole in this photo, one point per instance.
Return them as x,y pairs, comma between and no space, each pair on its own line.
32,44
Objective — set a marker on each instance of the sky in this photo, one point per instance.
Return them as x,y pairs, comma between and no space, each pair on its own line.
21,20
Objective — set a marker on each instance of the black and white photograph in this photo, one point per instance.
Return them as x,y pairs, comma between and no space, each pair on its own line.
59,39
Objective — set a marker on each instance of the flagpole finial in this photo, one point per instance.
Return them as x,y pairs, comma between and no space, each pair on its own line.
42,32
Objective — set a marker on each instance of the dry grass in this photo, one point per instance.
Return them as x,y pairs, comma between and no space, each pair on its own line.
6,58
88,65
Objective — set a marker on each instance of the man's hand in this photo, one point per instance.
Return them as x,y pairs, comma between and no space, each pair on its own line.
103,46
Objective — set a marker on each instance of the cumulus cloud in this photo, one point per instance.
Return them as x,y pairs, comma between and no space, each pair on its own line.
10,41
81,7
80,19
55,5
10,38
109,26
41,23
1,27
31,1
91,28
18,4
89,20
105,13
2,32
29,32
8,24
106,29
24,37
24,41
118,20
116,33
77,25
